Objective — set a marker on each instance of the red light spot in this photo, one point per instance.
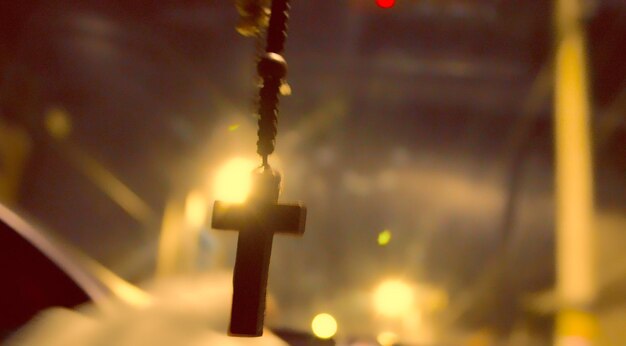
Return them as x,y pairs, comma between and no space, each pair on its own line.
385,3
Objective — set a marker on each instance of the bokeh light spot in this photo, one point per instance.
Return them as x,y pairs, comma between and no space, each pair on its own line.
385,3
233,180
285,89
324,326
58,123
384,237
393,298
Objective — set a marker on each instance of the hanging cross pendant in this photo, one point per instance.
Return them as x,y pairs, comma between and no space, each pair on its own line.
260,216
256,220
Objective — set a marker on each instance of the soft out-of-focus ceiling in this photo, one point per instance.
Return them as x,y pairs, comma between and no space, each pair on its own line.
431,119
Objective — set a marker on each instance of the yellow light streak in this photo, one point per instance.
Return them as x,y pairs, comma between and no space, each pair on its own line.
575,241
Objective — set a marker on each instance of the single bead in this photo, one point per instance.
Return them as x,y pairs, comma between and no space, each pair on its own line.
272,65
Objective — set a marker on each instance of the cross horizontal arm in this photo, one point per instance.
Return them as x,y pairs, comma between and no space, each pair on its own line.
272,218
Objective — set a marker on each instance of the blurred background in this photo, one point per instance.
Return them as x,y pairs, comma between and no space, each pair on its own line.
420,137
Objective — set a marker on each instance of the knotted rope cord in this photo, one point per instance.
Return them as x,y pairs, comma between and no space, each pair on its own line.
272,68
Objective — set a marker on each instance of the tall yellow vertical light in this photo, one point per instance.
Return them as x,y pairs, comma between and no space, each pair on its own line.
574,180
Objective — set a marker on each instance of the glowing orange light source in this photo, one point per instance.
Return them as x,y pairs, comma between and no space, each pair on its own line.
385,3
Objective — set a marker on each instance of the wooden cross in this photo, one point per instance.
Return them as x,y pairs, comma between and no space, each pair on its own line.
256,220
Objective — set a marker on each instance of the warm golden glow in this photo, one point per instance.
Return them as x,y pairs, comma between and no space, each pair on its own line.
387,338
393,298
324,326
195,209
436,300
233,180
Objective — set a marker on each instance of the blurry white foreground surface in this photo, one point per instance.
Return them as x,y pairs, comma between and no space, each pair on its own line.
182,311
